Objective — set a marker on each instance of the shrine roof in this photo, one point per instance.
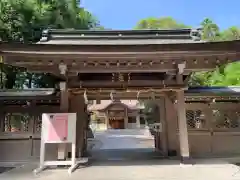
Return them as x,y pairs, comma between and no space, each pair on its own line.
105,104
120,37
15,93
51,91
214,90
47,92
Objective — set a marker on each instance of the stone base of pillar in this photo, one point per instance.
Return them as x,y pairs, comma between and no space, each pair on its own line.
186,160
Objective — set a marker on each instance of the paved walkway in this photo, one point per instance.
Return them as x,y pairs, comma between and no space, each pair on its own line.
140,170
131,169
123,139
124,144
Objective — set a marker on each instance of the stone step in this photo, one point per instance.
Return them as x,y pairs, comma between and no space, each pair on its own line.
125,154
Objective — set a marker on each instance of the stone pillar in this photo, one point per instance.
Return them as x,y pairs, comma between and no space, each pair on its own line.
138,124
182,124
62,148
77,105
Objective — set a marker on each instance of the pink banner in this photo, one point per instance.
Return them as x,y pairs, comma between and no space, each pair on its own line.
58,127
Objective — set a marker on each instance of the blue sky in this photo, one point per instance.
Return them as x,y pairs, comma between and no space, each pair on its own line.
124,14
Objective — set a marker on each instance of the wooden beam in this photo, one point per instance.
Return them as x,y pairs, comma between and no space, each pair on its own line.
121,69
133,83
131,93
134,60
58,56
123,63
227,46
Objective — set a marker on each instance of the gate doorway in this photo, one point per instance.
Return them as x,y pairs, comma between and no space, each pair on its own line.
128,136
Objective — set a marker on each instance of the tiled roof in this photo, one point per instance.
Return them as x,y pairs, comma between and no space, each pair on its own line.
26,92
120,37
216,90
48,92
131,104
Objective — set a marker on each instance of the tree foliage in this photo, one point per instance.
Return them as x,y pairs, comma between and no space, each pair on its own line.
225,75
159,23
24,20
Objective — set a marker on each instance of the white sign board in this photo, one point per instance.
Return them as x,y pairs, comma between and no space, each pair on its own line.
58,128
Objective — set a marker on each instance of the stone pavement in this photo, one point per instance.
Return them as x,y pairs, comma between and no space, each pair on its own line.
123,144
134,170
138,168
124,139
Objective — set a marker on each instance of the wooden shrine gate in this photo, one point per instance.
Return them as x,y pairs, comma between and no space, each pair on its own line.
96,63
214,129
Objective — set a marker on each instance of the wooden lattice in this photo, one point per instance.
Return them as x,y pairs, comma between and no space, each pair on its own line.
226,119
196,119
38,124
16,122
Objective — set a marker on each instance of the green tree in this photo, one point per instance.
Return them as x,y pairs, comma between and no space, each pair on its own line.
24,21
225,75
228,75
232,33
159,23
211,30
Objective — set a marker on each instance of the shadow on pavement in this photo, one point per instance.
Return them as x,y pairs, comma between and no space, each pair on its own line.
5,169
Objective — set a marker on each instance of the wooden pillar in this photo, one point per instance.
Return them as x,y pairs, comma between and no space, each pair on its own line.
107,120
62,148
2,118
77,105
138,123
171,125
163,134
126,119
182,124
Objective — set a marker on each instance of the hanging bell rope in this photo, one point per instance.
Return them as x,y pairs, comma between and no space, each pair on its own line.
138,94
145,90
85,97
153,95
111,96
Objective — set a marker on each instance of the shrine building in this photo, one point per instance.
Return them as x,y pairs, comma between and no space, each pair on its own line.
118,114
121,65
